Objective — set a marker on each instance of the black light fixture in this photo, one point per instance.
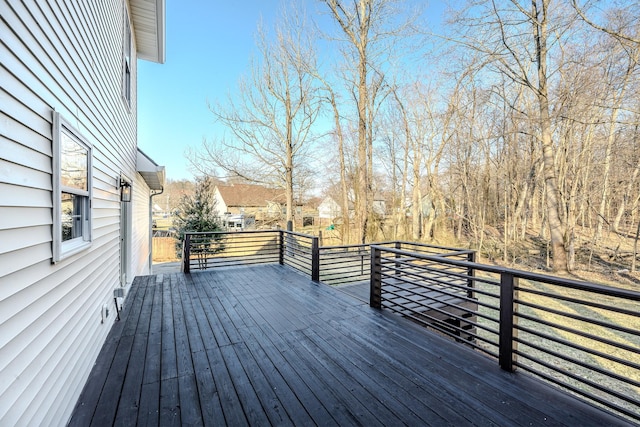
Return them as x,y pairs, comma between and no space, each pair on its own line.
125,190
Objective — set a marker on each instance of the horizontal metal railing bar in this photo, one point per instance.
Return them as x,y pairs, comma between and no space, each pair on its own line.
227,264
428,274
297,255
466,320
590,396
221,255
222,258
440,326
580,301
248,245
390,244
586,381
460,295
296,262
345,277
578,362
568,283
458,273
416,285
461,287
234,233
578,317
419,315
234,237
578,332
418,271
586,349
427,245
417,279
241,247
415,305
235,254
393,274
292,253
426,264
435,266
343,260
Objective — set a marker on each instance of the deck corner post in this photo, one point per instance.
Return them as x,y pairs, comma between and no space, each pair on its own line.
280,247
186,254
315,260
471,272
506,355
375,288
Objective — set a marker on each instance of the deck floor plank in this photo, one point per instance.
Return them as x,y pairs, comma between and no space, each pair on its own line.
264,345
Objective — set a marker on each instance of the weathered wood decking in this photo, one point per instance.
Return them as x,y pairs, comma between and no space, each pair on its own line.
266,346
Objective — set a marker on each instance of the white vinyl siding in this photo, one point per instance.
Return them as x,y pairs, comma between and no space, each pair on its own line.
66,57
140,248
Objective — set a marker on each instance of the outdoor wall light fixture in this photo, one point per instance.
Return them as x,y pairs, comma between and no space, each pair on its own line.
125,190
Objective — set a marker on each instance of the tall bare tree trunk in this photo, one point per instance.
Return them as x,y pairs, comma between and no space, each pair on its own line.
556,226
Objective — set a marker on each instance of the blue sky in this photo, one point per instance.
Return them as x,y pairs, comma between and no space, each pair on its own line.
208,47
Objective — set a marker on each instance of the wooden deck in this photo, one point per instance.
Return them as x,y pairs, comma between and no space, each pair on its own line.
266,346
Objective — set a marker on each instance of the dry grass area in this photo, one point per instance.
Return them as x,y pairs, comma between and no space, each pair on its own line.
606,262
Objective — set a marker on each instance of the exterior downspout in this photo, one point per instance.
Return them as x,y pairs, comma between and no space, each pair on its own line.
151,228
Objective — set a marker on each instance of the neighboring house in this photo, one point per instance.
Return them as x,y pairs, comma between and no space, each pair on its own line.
68,154
250,200
329,208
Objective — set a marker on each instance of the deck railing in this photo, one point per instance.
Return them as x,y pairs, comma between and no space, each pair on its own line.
346,264
206,250
582,337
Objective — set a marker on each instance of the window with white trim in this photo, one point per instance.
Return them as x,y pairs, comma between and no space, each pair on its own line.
126,89
72,170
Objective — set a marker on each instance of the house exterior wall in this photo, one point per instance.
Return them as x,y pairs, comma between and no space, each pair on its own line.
140,245
68,57
328,209
220,205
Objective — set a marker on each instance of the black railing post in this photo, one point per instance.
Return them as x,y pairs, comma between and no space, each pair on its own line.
186,254
315,259
281,247
506,355
471,272
398,246
375,287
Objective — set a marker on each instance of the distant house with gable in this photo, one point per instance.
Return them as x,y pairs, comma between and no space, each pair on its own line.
330,209
250,200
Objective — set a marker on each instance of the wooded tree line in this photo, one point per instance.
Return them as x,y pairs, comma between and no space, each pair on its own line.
516,121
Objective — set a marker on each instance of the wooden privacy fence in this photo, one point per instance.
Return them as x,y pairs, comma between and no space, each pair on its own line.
164,248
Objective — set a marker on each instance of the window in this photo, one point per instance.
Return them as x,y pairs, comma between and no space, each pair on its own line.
71,190
127,60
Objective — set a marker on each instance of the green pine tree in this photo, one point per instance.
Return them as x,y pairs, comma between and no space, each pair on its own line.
197,213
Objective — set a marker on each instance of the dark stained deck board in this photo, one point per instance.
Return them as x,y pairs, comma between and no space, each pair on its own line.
266,346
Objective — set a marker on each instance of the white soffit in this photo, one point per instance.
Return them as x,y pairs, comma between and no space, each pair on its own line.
152,174
149,25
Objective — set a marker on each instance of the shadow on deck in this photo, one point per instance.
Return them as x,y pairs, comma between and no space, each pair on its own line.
264,345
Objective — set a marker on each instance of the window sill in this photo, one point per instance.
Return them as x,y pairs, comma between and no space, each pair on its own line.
72,247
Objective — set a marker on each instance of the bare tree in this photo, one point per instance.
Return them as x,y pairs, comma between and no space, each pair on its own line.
270,119
518,39
369,28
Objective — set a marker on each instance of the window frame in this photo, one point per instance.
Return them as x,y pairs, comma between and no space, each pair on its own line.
127,51
64,249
